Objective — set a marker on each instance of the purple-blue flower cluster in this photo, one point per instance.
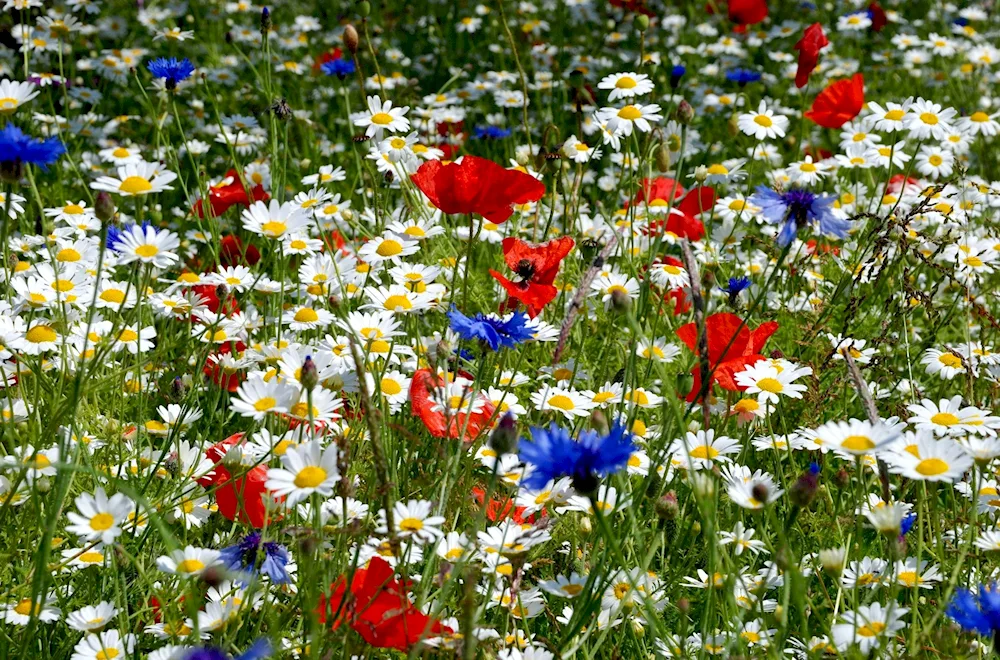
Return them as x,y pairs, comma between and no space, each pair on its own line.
795,208
555,454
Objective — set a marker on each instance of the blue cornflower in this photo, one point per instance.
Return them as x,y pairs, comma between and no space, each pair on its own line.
244,555
170,69
491,330
977,612
906,524
18,148
743,76
796,207
676,74
261,649
339,67
115,233
492,132
555,454
735,286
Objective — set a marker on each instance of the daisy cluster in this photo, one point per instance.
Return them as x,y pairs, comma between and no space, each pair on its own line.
512,330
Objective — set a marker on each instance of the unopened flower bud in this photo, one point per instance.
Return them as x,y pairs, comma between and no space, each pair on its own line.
832,560
104,206
364,8
683,605
43,484
585,526
841,478
11,171
700,173
662,158
620,301
733,126
265,20
222,292
642,22
599,422
804,489
503,439
667,507
310,376
685,112
213,576
760,493
177,389
576,79
351,39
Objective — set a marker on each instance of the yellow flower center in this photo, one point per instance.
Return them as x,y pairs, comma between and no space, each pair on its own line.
190,566
147,251
382,118
390,386
929,118
310,476
562,402
41,334
393,303
625,82
930,467
411,524
306,315
389,248
857,443
102,522
264,404
135,185
68,254
121,152
763,120
630,113
772,385
128,335
274,228
705,452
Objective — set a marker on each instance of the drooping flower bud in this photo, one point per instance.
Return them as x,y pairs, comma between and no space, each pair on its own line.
351,39
685,112
804,489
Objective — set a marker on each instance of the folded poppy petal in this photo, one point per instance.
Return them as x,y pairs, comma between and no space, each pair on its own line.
242,498
839,103
659,192
459,425
813,40
732,347
697,201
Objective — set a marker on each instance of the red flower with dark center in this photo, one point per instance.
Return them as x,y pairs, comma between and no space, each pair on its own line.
839,103
476,185
375,606
747,12
537,267
498,510
813,40
726,359
229,193
240,498
462,424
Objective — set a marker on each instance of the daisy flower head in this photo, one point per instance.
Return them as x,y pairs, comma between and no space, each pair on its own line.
14,94
631,117
145,244
763,124
136,180
701,450
99,517
274,219
413,520
382,117
855,437
626,85
307,469
924,458
189,562
769,383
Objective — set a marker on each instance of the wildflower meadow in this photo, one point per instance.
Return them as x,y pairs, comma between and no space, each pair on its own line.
522,330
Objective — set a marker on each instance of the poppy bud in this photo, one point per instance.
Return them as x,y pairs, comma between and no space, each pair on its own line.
503,439
265,20
599,422
177,389
213,576
841,478
776,354
760,493
222,292
364,8
804,489
662,158
683,605
685,112
309,376
667,507
351,39
621,301
642,22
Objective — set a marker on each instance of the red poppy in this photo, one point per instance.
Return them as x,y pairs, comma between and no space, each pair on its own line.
537,266
681,221
721,329
498,510
461,424
377,608
328,56
240,498
839,103
233,252
813,40
210,293
878,16
747,12
229,193
476,185
659,191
